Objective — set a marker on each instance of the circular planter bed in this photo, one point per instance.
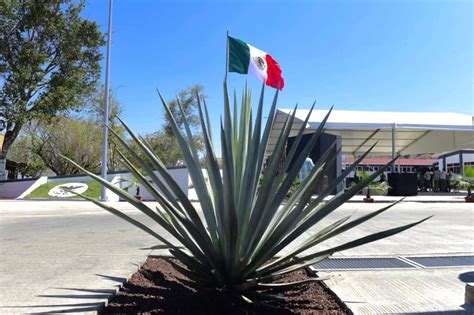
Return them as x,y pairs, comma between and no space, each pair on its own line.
157,288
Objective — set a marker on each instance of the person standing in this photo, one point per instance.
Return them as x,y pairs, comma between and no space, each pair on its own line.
436,176
448,181
443,184
306,168
427,180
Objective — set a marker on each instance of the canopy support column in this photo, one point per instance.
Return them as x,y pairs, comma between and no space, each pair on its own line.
394,147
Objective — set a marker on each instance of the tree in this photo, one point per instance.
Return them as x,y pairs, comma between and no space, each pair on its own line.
164,142
42,141
49,59
187,99
75,138
21,151
95,111
165,147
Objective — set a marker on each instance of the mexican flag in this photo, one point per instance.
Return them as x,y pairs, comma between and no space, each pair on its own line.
244,58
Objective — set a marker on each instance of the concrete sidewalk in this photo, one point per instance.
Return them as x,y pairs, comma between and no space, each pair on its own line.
425,291
421,197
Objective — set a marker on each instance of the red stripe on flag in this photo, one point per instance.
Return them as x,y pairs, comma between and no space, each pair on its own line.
274,78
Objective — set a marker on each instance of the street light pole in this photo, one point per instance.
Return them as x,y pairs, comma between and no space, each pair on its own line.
103,190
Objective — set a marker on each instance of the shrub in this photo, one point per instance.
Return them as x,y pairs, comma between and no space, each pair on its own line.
232,247
469,171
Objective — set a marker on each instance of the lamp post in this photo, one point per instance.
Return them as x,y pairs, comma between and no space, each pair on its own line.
103,190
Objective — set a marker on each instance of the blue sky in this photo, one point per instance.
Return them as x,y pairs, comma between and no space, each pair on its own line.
358,55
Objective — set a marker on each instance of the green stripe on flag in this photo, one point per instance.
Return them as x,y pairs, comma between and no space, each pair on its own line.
239,56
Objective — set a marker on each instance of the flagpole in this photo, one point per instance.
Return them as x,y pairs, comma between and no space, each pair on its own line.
226,57
103,190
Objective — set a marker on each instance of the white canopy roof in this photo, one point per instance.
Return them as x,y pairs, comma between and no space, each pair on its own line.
415,132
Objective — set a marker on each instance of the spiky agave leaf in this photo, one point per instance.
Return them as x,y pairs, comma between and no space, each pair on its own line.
244,225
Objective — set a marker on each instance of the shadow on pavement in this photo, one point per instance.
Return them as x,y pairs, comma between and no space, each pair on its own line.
99,294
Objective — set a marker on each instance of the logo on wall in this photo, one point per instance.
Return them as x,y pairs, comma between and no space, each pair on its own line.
68,190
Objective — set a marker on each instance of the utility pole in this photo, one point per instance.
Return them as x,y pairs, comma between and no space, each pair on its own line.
103,190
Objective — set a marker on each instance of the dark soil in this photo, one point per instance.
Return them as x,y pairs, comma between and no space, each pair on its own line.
157,288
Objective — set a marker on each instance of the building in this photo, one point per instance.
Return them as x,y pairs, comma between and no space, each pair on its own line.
13,168
387,134
403,165
456,161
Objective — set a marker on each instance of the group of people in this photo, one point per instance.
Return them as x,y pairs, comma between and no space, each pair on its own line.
434,180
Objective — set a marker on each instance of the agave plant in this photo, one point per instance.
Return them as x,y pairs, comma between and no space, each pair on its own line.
230,241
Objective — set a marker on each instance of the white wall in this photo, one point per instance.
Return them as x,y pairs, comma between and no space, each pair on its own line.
42,180
21,188
79,178
180,175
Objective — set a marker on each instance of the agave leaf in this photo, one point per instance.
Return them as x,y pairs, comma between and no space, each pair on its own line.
342,176
166,206
284,221
140,206
250,176
157,247
125,217
297,163
230,218
285,285
246,299
267,183
143,163
310,242
190,211
327,233
229,139
213,171
307,220
198,279
197,233
196,175
296,142
208,123
189,134
125,195
290,267
177,218
290,175
266,297
306,260
306,189
148,186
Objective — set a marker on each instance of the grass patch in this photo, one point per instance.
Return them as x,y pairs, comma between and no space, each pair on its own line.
42,191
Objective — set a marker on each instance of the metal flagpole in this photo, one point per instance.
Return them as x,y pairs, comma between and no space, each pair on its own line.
226,56
103,190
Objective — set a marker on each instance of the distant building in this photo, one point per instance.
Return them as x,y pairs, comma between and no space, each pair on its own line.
456,161
12,167
403,165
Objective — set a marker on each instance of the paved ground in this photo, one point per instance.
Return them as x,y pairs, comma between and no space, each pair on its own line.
57,256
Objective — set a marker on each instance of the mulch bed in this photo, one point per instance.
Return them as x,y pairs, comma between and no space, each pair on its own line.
156,288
